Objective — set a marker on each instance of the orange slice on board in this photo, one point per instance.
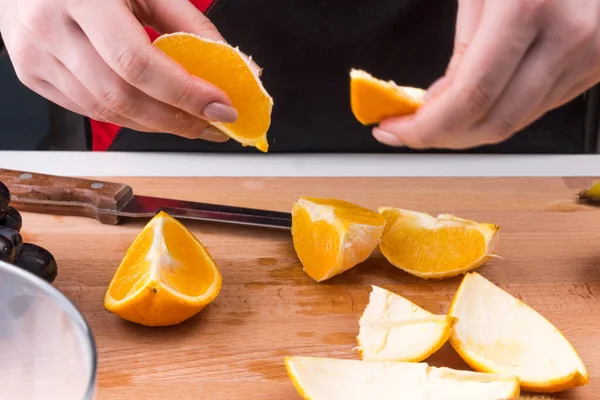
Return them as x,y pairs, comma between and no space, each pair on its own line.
430,247
373,100
499,333
339,379
393,328
166,276
331,236
225,67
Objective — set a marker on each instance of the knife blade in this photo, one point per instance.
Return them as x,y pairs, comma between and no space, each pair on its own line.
111,202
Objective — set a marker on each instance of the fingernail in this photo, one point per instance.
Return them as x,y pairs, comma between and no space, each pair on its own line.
220,112
387,138
213,134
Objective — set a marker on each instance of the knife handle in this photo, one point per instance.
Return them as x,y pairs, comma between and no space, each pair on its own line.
49,194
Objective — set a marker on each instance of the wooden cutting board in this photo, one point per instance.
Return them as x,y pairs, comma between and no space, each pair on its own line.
269,308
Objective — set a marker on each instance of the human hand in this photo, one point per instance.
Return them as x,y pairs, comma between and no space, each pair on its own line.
513,61
94,58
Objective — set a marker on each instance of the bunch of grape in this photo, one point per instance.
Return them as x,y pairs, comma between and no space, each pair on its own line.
27,256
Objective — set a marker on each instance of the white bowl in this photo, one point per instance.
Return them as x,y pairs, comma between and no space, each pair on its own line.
47,350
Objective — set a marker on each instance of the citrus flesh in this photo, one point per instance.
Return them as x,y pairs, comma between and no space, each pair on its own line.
372,100
336,379
393,328
166,276
591,193
430,247
226,68
498,333
331,236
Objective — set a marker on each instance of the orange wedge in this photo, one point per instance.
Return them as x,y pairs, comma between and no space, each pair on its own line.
372,100
499,333
331,236
224,66
393,328
166,276
430,247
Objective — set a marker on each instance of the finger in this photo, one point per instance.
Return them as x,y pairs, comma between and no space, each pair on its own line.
65,82
572,83
502,40
437,88
114,99
124,45
575,91
467,21
183,16
536,76
48,91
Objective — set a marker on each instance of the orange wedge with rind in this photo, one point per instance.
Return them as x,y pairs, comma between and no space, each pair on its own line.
373,100
331,236
339,379
430,247
499,333
166,276
228,69
393,328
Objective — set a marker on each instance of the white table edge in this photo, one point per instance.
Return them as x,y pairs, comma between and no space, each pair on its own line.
134,164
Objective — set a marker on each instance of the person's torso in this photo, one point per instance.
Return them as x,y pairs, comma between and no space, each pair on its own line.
307,48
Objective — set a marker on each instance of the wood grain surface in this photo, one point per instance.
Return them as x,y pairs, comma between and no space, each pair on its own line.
269,308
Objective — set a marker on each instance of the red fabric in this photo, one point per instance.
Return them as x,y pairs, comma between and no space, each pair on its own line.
104,133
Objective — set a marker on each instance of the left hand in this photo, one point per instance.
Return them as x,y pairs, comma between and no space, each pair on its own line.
513,61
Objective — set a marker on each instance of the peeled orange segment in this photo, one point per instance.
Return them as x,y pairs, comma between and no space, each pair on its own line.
331,236
337,379
393,328
372,100
430,247
166,276
499,333
224,66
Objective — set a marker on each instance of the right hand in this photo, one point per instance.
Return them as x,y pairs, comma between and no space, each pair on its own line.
94,58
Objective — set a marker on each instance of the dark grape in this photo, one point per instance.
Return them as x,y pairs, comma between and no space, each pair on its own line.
14,237
12,219
4,198
38,261
7,250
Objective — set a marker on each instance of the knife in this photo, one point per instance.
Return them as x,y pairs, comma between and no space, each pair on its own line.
110,202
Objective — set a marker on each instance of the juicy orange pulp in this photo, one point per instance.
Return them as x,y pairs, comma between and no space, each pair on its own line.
223,66
332,236
165,277
431,247
372,100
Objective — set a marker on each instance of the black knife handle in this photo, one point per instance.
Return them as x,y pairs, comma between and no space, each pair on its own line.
49,194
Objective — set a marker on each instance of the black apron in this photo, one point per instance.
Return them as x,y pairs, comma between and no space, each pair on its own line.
307,47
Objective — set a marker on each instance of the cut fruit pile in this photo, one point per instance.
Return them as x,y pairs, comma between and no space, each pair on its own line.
372,100
166,276
331,236
507,343
226,68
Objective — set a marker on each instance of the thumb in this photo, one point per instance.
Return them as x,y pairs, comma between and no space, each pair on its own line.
182,16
